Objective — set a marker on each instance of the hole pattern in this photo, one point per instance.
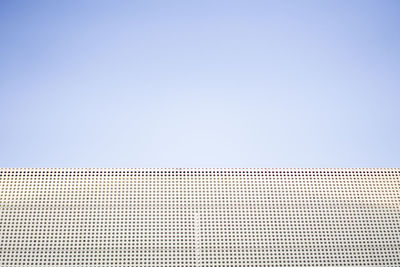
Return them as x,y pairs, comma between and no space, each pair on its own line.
200,217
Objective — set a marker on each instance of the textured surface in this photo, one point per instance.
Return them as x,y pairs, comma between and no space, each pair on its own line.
200,217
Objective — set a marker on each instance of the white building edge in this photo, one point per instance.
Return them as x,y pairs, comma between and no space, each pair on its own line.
200,217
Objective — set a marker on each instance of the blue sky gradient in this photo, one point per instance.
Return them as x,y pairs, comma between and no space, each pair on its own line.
200,83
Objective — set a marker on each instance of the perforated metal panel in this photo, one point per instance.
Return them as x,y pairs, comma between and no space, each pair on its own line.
200,217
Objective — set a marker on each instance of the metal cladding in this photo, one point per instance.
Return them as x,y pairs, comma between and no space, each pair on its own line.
199,217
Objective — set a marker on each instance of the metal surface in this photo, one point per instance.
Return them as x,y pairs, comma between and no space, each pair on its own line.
200,217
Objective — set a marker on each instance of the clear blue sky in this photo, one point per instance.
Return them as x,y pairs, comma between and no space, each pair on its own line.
200,83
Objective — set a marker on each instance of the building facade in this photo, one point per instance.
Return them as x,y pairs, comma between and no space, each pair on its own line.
199,217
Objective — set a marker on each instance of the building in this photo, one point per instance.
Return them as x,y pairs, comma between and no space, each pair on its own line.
200,217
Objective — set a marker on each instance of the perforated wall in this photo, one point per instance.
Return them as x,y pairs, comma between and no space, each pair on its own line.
200,217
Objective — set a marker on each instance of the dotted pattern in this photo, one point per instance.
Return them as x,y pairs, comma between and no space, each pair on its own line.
200,217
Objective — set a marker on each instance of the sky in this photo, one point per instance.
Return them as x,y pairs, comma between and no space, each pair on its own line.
200,83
